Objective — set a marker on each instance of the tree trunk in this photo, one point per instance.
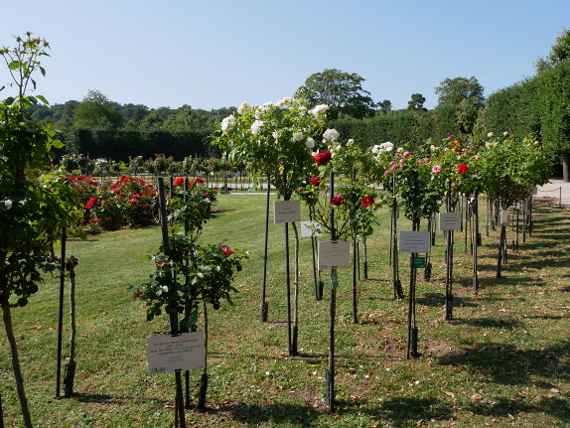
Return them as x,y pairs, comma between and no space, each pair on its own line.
7,316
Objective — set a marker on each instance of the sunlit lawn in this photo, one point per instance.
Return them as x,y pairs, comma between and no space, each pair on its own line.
504,361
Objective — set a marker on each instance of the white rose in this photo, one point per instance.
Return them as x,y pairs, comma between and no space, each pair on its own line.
256,127
310,143
243,107
376,149
298,136
228,123
400,150
387,146
331,135
262,109
318,109
7,204
505,134
432,148
275,135
350,142
285,102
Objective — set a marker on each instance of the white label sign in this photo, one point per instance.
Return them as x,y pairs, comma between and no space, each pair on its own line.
310,228
414,242
449,221
184,352
287,211
504,218
333,254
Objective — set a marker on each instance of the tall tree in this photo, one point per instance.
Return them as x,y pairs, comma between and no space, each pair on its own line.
454,90
341,91
416,102
385,106
96,111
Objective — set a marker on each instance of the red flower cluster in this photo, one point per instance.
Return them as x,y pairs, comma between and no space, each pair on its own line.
90,202
178,181
198,181
227,250
462,168
322,157
314,180
337,200
367,201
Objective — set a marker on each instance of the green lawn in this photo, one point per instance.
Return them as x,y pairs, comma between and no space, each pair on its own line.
504,361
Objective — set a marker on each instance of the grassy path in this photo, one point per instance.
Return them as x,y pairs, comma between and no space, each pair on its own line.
504,361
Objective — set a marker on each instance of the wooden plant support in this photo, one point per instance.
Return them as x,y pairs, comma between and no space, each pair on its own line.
60,315
180,418
330,373
264,303
70,363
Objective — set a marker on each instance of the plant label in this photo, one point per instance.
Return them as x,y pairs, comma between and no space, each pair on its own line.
414,242
449,221
310,228
287,211
333,254
504,218
419,262
183,352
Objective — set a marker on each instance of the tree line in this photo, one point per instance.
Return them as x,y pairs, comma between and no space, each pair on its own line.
539,106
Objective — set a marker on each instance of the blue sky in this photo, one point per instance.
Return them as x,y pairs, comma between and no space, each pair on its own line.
217,53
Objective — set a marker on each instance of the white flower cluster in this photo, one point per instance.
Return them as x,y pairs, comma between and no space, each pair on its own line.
228,123
261,110
319,109
330,135
284,102
310,143
298,136
7,204
243,107
256,127
382,148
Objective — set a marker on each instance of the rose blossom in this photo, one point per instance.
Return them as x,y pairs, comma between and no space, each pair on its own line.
298,136
462,168
256,127
228,123
178,181
331,135
367,201
243,107
322,158
314,180
227,250
436,169
90,202
310,143
318,109
337,200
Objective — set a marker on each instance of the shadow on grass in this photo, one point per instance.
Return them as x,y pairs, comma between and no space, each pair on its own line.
556,407
398,411
507,324
437,300
508,365
112,399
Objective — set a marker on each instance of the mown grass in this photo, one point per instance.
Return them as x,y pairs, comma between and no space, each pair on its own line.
504,361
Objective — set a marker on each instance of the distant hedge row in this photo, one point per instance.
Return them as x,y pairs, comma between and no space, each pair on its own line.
120,145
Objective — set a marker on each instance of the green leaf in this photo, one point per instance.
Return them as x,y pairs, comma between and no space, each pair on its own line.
42,99
42,70
14,65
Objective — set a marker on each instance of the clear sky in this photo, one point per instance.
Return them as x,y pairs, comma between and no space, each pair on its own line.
219,52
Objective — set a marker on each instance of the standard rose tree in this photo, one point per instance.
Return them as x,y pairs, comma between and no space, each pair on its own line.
277,141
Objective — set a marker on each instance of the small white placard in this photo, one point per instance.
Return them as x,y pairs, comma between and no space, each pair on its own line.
287,211
414,242
504,217
449,221
333,254
183,352
310,228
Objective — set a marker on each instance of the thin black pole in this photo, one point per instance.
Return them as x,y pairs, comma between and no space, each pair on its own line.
354,278
330,374
365,246
288,285
264,304
60,314
173,314
1,413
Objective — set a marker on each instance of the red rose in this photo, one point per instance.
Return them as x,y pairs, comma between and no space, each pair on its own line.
227,250
205,195
178,181
337,200
367,201
134,199
90,202
322,158
314,180
462,168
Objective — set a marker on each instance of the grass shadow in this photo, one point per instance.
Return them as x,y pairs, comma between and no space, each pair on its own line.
556,407
507,324
505,364
437,300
